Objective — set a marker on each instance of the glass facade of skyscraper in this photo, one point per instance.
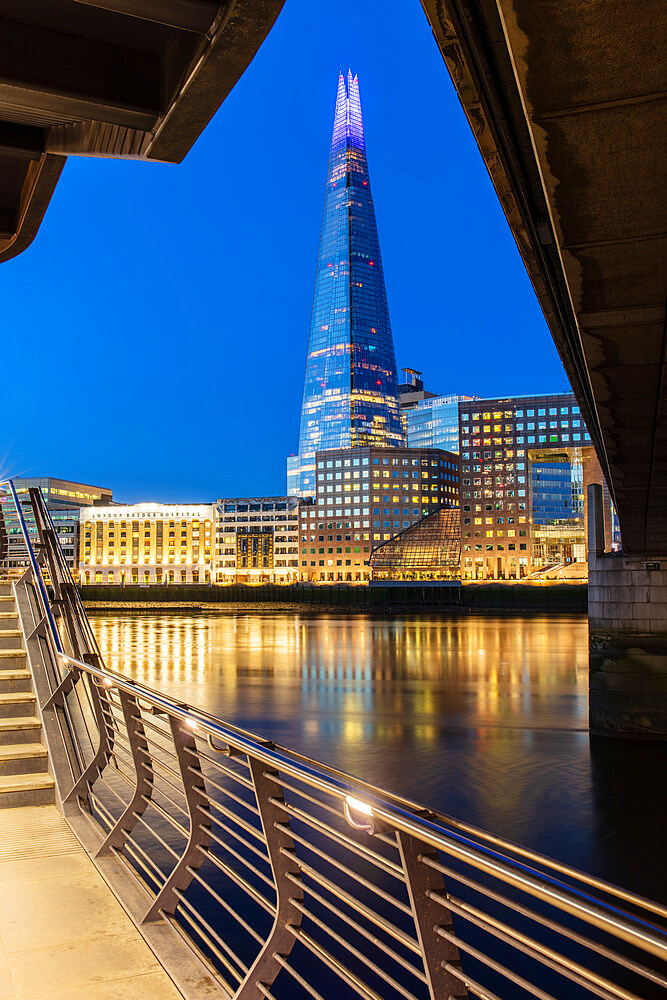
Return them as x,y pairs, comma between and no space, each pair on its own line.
434,423
350,396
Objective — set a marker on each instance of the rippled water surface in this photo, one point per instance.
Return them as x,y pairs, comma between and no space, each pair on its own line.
480,716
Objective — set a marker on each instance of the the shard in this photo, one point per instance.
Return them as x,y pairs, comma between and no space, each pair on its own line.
350,396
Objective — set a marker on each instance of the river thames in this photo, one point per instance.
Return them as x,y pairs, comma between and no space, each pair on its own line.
480,716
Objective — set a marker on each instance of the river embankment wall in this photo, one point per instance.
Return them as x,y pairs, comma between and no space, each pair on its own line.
487,596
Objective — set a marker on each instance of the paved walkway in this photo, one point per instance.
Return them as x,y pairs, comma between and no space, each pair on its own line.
63,934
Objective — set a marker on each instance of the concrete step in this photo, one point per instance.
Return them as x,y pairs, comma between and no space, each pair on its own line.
19,703
19,729
23,758
9,619
5,588
6,602
15,680
10,638
26,790
13,659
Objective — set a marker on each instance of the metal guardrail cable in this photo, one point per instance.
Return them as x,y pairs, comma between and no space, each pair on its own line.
232,795
214,936
380,921
364,932
209,942
237,836
364,991
239,879
230,909
551,925
243,824
564,966
368,963
312,992
338,866
239,857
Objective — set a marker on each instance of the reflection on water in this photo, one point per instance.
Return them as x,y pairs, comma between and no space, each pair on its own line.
482,717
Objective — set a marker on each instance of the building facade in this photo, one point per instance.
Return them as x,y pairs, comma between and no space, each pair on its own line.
257,540
147,543
365,496
350,396
64,499
523,463
433,422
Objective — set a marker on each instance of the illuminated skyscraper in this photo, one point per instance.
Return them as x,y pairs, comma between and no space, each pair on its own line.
350,396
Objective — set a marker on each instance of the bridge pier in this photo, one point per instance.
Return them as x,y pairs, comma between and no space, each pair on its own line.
627,635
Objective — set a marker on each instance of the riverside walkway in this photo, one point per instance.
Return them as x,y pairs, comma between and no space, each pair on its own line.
149,849
63,934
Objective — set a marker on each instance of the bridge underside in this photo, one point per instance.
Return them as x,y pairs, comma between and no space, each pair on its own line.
566,99
135,79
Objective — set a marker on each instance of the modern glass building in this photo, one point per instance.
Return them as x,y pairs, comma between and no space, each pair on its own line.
350,396
428,550
434,422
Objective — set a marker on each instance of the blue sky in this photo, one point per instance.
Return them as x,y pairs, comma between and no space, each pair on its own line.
154,334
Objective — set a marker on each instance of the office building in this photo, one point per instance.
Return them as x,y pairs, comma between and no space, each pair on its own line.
365,496
411,390
428,551
257,540
64,499
147,543
433,422
525,464
350,396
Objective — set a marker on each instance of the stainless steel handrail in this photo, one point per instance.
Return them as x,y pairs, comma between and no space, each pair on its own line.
272,866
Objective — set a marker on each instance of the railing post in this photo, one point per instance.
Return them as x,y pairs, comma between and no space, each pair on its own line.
280,940
428,915
143,770
105,746
193,785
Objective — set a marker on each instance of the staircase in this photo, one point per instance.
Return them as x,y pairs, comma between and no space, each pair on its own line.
24,780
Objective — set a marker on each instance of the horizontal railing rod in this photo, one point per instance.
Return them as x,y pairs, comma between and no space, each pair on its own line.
241,779
229,908
244,861
237,836
368,963
551,925
361,988
236,798
281,960
214,936
338,866
210,943
380,921
235,876
502,970
240,822
564,966
364,932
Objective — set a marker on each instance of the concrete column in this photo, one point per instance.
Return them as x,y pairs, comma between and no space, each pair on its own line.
627,634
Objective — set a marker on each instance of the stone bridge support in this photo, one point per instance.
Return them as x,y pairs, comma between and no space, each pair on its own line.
627,620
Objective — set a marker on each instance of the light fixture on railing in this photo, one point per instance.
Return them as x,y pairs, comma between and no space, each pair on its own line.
191,724
359,814
107,682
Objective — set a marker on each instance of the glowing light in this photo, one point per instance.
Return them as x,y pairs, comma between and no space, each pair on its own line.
191,724
358,805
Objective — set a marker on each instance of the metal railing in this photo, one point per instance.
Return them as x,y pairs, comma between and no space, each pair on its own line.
290,879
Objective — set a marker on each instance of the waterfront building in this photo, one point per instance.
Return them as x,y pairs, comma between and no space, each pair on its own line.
525,465
64,499
257,540
365,496
429,550
350,396
147,543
